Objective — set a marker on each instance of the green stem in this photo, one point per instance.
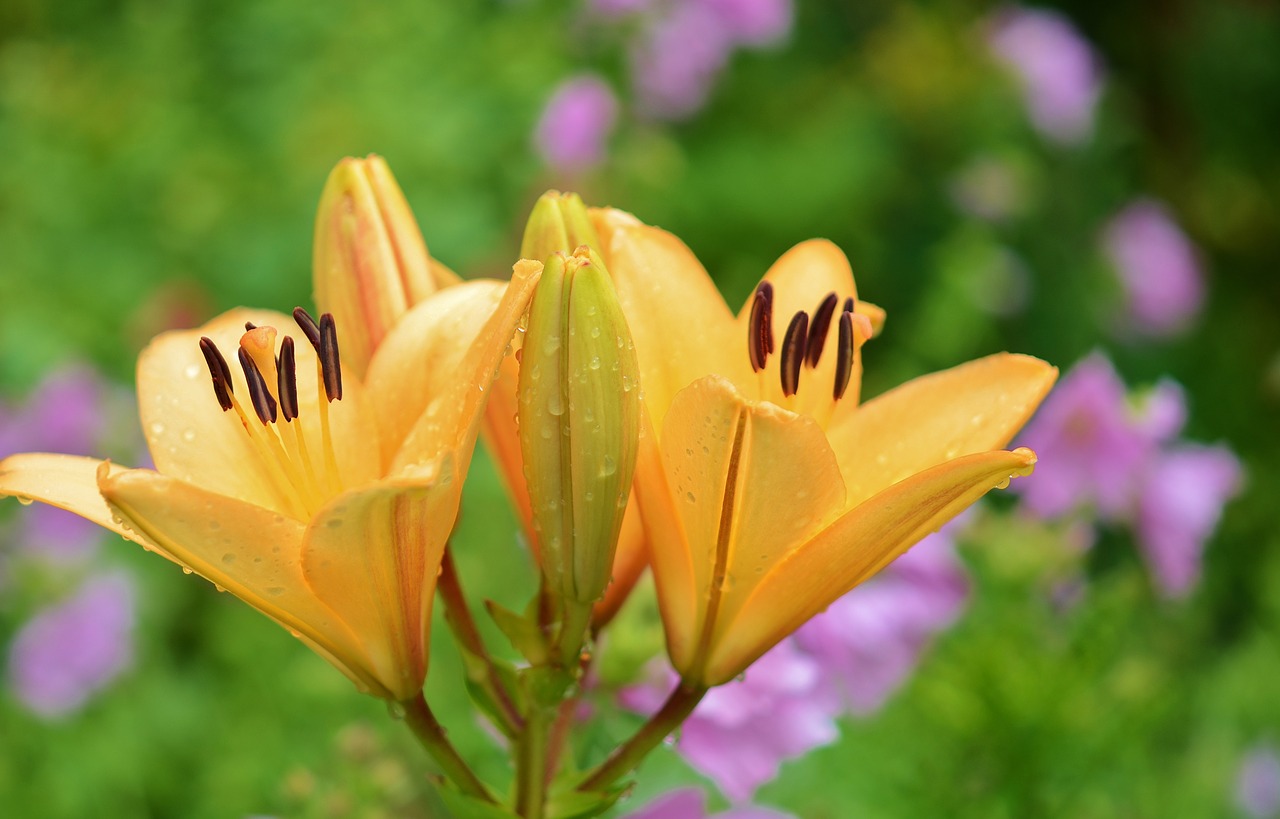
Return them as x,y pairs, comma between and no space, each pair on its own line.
531,764
627,756
458,615
575,620
432,736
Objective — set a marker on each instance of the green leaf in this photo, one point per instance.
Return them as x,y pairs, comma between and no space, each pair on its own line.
462,806
523,632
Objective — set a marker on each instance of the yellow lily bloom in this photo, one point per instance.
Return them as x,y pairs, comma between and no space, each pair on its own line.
320,499
766,491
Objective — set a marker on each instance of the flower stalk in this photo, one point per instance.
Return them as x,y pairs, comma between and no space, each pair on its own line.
431,734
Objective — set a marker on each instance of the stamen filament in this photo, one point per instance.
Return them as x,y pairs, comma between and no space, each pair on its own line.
330,460
285,489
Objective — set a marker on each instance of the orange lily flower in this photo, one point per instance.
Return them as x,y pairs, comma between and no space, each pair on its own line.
321,499
766,491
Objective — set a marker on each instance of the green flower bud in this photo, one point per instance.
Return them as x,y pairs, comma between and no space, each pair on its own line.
579,409
558,224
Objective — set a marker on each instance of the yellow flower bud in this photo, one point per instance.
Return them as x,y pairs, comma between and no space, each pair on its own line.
559,223
370,262
579,407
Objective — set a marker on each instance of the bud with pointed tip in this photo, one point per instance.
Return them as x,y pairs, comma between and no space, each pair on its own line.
559,223
579,405
370,262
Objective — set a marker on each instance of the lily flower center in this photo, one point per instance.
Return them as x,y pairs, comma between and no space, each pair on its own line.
805,339
301,485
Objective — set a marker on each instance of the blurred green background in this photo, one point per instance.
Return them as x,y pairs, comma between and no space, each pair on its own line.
161,162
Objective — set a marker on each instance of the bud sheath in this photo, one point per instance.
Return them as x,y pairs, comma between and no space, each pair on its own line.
579,405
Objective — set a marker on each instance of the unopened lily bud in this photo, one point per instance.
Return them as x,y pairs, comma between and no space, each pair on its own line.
579,405
559,223
370,262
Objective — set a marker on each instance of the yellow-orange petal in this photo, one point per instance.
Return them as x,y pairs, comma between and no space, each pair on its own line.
628,564
852,549
668,546
680,324
372,556
502,440
192,439
252,552
404,381
68,482
974,407
751,481
458,366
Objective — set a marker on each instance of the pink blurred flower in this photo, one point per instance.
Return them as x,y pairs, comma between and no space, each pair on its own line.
869,641
1179,507
577,122
1157,268
741,732
676,61
1091,451
73,411
691,803
1099,449
1258,783
753,22
68,652
1056,66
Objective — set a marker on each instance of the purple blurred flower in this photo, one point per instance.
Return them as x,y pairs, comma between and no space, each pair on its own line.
740,734
1090,450
69,412
63,414
1156,266
753,22
691,803
1179,508
70,651
1099,448
677,60
869,641
576,123
1057,68
1258,783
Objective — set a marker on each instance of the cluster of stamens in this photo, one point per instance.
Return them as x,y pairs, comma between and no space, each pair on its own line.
804,340
287,459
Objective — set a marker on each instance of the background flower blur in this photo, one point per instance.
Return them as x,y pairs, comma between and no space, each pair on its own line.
1094,184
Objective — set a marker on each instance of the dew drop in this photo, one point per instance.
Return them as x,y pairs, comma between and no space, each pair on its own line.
595,362
185,570
275,591
157,428
555,403
334,523
228,559
609,466
188,435
692,498
25,501
192,371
